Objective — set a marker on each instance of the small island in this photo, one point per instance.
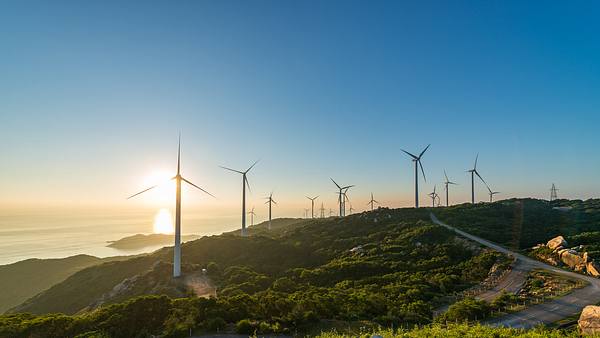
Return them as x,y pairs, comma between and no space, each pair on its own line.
141,241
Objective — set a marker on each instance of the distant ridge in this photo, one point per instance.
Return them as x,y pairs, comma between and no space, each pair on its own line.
140,241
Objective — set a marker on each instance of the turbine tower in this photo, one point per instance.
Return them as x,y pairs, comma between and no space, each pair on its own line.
312,205
252,214
446,183
270,201
492,193
553,193
244,184
178,179
473,173
433,196
417,160
372,202
342,197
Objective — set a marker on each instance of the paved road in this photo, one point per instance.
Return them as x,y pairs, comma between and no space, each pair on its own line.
550,311
511,282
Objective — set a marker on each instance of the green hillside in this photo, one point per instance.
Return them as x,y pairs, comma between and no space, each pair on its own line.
523,223
22,280
385,267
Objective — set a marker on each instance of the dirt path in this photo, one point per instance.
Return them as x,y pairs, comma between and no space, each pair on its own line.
548,312
200,284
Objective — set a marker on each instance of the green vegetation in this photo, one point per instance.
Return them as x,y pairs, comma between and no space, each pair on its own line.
386,267
22,280
523,223
539,286
459,331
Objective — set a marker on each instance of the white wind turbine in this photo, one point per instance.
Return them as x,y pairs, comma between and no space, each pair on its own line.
244,184
178,179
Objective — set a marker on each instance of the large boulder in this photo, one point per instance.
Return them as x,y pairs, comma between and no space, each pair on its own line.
556,242
572,259
593,269
589,321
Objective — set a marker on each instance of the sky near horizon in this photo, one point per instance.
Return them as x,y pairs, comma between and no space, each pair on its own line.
94,93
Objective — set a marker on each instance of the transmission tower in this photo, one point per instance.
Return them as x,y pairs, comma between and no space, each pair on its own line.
553,194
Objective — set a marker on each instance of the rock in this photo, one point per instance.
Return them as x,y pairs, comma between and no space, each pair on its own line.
586,257
556,242
589,321
593,269
572,259
550,260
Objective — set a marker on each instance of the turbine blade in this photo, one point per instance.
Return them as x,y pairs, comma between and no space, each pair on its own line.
235,171
409,154
422,170
334,182
197,187
179,154
143,191
252,166
446,176
424,150
247,184
476,158
273,201
481,178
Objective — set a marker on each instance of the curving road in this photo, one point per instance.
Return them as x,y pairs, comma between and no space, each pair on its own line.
550,311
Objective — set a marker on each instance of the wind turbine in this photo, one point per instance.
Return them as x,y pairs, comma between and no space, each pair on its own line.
178,179
312,205
372,202
473,173
492,193
244,184
322,210
270,201
252,214
446,183
342,197
417,160
433,196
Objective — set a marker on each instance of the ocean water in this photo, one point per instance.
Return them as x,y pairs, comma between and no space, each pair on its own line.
48,233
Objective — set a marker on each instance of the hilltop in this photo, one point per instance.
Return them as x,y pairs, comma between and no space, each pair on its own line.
387,267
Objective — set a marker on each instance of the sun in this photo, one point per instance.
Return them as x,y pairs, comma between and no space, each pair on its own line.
163,222
165,187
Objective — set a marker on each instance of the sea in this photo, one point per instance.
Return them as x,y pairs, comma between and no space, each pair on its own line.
58,233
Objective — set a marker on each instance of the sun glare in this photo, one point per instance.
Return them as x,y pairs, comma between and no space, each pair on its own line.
163,222
165,190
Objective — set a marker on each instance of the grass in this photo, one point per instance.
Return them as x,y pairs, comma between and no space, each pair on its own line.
456,331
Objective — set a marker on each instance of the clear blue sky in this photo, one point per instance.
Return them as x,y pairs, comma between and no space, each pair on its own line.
93,94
